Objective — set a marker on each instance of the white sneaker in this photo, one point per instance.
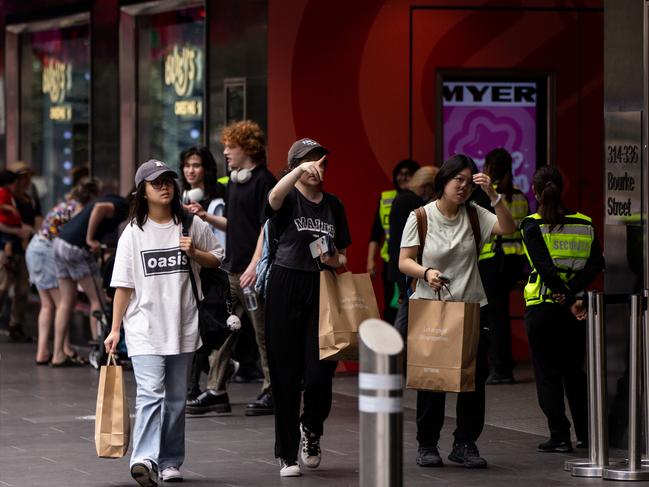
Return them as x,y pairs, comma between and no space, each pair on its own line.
289,469
310,453
145,473
171,474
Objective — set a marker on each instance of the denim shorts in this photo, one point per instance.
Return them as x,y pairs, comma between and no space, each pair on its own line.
73,262
40,263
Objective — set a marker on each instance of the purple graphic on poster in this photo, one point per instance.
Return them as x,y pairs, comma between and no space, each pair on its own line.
481,116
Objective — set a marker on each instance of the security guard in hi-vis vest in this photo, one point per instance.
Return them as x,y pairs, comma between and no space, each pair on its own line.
502,263
565,257
380,235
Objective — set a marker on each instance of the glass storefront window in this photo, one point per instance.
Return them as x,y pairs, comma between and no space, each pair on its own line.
171,73
54,121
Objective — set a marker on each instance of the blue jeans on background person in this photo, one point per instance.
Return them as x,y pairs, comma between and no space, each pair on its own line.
159,431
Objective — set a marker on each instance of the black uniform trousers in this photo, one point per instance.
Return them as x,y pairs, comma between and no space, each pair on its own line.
558,344
292,310
470,407
499,275
389,313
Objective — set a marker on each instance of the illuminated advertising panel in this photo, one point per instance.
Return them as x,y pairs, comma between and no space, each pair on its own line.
171,66
55,109
481,115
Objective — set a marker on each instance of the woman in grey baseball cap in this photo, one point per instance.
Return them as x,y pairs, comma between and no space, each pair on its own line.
155,301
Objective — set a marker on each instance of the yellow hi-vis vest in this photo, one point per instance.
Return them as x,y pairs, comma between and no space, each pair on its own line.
569,246
223,180
511,244
385,206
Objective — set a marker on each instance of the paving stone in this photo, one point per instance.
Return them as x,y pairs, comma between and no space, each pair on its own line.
47,429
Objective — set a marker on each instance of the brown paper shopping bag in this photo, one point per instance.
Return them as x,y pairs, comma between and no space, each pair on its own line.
346,300
442,345
112,421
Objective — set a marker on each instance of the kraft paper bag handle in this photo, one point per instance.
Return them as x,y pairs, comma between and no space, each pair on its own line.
439,293
111,358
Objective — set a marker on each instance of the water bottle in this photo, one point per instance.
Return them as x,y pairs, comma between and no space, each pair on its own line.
250,298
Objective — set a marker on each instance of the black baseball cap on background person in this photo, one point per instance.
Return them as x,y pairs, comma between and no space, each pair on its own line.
302,147
151,170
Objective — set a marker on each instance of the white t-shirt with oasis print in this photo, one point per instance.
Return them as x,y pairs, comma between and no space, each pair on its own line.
161,317
450,248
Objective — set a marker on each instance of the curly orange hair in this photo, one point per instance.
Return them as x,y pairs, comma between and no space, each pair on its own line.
249,136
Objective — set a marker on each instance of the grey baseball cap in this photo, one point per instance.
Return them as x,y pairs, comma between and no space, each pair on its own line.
302,147
153,169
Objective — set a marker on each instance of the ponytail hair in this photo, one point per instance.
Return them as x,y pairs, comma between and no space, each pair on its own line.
498,166
548,186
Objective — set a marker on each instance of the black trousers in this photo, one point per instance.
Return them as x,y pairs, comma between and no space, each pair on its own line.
470,407
499,276
558,344
389,313
293,357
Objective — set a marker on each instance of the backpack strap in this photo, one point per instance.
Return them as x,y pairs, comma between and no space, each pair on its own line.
475,224
422,230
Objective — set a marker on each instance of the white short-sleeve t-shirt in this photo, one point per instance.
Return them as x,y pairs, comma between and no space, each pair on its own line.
450,248
161,317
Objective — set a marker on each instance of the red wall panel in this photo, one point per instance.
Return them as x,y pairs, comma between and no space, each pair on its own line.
360,78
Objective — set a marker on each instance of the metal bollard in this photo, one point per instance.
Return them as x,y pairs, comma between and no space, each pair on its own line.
645,383
380,384
598,458
634,469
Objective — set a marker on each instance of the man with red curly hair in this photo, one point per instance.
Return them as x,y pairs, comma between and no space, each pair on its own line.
243,219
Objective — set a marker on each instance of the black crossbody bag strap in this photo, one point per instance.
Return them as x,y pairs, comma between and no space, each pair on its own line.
186,221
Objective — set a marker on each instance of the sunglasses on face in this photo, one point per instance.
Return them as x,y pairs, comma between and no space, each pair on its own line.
160,182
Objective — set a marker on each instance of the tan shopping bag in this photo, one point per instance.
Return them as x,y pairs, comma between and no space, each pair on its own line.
112,421
442,345
346,300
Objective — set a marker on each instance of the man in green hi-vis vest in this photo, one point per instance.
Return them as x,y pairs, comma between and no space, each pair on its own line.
380,234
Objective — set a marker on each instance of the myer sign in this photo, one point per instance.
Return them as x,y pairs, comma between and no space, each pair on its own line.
489,93
623,163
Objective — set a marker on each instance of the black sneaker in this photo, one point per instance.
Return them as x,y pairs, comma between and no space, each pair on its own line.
554,445
467,454
262,406
145,473
496,378
428,456
17,335
310,454
209,401
581,444
289,468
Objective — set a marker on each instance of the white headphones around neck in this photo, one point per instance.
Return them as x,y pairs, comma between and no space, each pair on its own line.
241,176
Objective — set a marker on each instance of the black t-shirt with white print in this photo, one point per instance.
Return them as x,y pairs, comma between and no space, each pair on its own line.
300,221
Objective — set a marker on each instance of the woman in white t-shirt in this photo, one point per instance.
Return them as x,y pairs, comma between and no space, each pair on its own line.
154,299
202,194
450,267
